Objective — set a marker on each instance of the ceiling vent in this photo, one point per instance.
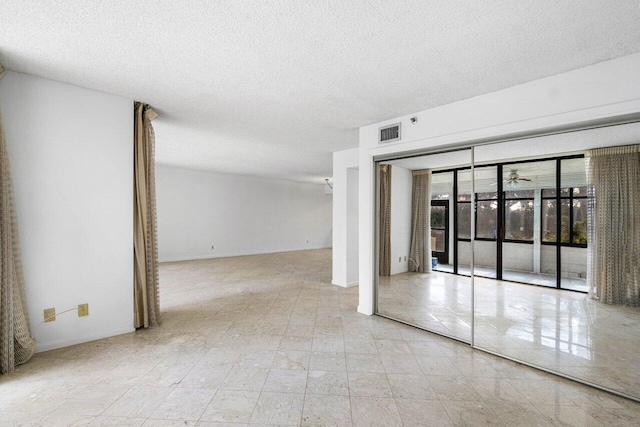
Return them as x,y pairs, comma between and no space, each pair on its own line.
390,133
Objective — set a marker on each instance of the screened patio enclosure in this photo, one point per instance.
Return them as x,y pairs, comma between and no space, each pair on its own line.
520,234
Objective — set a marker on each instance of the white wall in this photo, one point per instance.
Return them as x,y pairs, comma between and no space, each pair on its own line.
72,164
600,91
485,254
352,226
401,186
345,218
238,215
515,256
574,262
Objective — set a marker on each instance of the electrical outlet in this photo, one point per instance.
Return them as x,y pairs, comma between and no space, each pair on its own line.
49,314
399,259
83,310
213,247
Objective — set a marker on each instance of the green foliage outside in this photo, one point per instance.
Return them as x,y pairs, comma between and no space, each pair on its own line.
579,232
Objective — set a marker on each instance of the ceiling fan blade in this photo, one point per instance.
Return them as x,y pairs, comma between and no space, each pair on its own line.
525,179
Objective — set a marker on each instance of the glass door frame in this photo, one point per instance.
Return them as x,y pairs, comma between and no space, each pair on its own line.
444,203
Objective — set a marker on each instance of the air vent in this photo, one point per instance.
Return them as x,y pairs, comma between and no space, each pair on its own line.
390,133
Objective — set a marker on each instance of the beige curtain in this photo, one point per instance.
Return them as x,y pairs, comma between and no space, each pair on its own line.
16,344
420,253
145,243
385,221
613,268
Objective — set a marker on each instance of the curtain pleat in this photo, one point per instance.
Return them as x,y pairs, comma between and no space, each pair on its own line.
145,243
420,253
16,344
385,221
613,213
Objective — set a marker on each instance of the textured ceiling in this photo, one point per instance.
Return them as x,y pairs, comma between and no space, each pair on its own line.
271,88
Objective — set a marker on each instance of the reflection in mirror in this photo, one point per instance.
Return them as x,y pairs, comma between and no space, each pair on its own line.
462,260
553,214
418,245
486,221
573,225
524,257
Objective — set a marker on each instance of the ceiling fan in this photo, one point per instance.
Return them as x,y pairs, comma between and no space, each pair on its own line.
514,178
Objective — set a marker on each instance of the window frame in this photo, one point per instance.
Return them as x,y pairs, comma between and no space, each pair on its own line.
506,199
501,214
446,205
561,198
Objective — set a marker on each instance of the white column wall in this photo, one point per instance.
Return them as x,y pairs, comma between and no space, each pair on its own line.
345,217
352,227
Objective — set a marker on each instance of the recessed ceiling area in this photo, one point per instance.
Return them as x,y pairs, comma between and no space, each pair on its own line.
273,88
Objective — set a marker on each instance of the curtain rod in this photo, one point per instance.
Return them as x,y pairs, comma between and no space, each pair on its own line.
148,110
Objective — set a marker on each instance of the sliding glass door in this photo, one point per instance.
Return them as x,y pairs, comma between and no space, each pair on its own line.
523,185
442,221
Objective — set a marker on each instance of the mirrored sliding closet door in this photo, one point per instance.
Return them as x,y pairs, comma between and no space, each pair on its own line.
424,248
565,295
527,249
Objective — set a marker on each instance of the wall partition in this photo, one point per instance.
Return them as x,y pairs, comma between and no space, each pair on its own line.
508,239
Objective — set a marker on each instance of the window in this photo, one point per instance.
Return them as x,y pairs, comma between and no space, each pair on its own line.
518,215
518,203
464,216
439,226
579,221
487,216
549,218
573,216
438,216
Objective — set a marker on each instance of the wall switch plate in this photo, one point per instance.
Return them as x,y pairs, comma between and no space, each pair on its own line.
399,259
49,314
83,310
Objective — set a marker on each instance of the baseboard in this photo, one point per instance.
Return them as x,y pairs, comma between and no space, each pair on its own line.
234,254
348,285
366,312
80,340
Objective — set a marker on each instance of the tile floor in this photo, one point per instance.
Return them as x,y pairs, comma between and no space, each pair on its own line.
522,277
266,340
559,330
